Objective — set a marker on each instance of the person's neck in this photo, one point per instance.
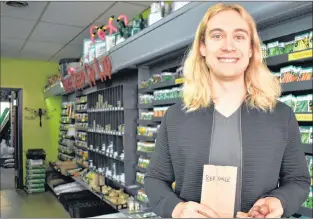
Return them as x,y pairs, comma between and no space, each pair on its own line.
228,95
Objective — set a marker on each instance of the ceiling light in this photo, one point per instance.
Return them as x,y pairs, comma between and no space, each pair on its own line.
16,4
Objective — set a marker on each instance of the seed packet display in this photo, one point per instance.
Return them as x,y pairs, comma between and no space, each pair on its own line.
273,48
281,48
310,39
264,50
305,133
310,97
305,74
311,135
301,42
302,104
289,47
288,74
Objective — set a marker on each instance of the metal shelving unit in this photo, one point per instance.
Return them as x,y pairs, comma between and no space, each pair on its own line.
111,132
299,58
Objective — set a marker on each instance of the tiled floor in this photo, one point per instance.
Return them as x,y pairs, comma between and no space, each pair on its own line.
18,204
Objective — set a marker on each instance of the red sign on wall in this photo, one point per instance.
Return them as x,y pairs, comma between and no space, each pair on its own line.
77,80
90,74
67,84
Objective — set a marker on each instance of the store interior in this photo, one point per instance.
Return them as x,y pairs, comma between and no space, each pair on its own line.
84,87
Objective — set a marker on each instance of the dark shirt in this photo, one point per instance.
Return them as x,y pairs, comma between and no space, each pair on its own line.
226,146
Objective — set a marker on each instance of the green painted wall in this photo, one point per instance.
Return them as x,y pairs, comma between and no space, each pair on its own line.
32,76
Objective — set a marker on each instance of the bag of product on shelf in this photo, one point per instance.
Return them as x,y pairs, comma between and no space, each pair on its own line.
310,97
310,39
289,47
281,48
167,76
309,202
305,74
264,50
305,133
303,103
301,42
288,74
273,49
311,136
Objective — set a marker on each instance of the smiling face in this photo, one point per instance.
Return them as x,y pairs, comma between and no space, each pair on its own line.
227,45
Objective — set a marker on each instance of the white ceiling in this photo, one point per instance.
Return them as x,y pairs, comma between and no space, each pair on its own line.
55,30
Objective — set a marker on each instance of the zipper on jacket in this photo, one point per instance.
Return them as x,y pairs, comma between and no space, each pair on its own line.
241,163
211,140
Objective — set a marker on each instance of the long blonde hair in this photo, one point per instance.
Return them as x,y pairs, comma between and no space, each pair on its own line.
263,88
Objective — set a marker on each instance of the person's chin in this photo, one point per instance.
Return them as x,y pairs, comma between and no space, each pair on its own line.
229,75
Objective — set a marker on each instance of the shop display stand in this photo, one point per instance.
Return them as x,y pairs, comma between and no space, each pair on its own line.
35,171
303,59
144,74
66,143
81,128
111,133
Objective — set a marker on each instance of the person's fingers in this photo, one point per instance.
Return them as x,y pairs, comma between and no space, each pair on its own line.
193,214
255,208
264,209
274,214
254,213
208,212
260,216
242,215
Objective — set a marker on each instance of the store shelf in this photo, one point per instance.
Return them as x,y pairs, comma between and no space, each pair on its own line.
145,106
144,153
54,90
140,185
113,109
145,122
297,86
106,154
166,102
80,111
115,181
308,212
107,132
140,169
296,57
145,204
307,148
157,119
162,85
145,138
304,117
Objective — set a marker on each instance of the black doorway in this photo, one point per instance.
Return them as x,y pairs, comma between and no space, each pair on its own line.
15,97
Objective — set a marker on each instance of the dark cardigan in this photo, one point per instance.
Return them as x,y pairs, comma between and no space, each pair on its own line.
271,154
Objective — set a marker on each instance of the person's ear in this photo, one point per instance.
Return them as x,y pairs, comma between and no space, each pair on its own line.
202,49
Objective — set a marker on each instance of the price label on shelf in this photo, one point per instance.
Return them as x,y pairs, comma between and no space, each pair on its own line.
300,55
304,117
179,81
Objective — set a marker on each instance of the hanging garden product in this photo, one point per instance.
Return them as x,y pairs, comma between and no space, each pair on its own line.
138,24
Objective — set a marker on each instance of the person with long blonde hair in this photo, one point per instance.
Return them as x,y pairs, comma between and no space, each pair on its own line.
229,116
